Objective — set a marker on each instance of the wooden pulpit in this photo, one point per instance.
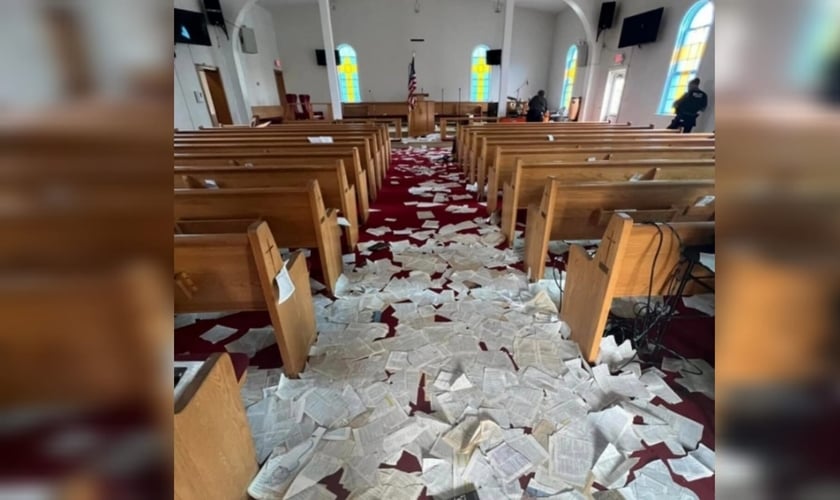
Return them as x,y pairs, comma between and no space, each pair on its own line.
421,120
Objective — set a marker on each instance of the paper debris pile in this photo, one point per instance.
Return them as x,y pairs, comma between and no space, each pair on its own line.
505,393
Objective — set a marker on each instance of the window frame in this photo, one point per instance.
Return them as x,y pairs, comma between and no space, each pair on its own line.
568,77
474,86
342,77
677,78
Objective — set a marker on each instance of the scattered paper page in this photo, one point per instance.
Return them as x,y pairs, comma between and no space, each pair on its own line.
285,285
255,340
218,333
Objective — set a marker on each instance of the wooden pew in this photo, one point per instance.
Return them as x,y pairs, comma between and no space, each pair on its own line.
528,183
356,177
213,446
331,179
466,135
253,149
478,172
374,147
501,168
444,122
582,210
377,135
314,128
487,145
296,216
622,267
231,265
369,163
463,131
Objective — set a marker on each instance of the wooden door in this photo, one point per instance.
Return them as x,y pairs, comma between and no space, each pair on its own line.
214,95
281,87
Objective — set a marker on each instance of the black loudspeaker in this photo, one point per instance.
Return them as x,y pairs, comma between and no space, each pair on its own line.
321,57
492,109
494,57
213,9
607,17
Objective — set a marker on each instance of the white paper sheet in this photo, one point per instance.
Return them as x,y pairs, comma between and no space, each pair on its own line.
508,463
218,333
252,342
285,285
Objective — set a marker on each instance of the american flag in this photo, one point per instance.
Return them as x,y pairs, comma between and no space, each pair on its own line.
412,85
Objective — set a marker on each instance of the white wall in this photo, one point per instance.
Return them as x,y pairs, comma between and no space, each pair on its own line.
647,66
568,31
297,30
531,52
257,68
379,31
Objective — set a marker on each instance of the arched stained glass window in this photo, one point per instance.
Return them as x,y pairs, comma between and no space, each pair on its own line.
479,75
569,77
348,74
688,51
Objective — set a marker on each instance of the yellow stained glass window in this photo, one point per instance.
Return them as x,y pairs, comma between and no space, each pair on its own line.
348,74
688,51
569,77
479,75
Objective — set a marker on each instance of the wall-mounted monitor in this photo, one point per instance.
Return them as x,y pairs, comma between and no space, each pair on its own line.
641,28
191,27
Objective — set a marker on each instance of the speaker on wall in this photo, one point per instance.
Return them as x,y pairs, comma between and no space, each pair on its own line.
321,57
248,40
213,11
607,17
494,57
583,54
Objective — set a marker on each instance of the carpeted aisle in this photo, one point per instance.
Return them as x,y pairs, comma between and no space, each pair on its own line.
692,335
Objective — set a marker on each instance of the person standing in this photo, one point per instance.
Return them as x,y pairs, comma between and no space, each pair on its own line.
688,107
537,107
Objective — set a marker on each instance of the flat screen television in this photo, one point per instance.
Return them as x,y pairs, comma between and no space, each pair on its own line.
191,27
494,57
641,28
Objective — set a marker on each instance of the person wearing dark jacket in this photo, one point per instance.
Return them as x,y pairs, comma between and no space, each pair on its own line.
537,107
688,107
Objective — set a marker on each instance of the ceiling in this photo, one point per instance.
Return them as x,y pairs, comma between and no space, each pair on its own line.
542,5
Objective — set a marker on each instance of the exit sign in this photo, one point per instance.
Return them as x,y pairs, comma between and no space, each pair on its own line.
618,58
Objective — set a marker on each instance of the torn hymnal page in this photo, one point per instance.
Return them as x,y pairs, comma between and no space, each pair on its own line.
275,477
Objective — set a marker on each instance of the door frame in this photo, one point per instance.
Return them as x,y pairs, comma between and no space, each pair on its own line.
201,69
608,89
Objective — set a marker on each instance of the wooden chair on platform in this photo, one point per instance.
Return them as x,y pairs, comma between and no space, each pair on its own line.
306,103
623,266
293,111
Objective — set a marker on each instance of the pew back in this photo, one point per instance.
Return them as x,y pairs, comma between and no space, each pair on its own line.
529,181
332,181
222,270
296,216
623,266
582,210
